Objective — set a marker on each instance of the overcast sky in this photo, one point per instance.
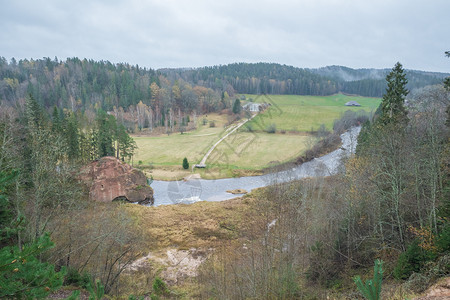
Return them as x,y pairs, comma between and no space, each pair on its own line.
184,33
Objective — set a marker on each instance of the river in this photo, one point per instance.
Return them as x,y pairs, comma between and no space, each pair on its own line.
194,190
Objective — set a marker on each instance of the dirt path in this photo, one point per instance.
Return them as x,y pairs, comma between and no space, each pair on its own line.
203,161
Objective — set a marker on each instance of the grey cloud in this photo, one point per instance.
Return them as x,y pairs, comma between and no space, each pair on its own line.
198,33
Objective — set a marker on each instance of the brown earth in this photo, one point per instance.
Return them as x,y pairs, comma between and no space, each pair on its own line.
110,179
439,291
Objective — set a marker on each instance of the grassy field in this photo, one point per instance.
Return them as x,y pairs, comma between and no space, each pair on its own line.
246,151
167,150
258,150
306,113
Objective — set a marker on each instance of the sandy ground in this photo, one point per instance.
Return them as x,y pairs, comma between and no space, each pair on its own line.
176,264
438,291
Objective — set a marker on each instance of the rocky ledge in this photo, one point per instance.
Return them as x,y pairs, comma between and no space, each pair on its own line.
110,179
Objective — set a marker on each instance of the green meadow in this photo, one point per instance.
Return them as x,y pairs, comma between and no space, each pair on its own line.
306,113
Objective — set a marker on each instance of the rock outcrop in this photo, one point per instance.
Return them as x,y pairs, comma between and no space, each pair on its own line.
109,179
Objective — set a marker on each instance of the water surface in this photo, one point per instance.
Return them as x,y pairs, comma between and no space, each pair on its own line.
173,192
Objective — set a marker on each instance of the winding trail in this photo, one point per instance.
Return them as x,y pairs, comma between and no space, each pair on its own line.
202,163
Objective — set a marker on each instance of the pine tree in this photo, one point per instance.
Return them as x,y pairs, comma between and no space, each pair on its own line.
185,163
72,137
56,120
371,290
106,129
447,80
393,103
125,144
237,106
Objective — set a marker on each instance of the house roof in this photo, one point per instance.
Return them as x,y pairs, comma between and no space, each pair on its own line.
352,103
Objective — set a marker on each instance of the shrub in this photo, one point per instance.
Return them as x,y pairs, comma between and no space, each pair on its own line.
73,277
212,124
249,127
443,242
159,286
322,131
349,119
322,268
411,260
97,291
272,128
185,163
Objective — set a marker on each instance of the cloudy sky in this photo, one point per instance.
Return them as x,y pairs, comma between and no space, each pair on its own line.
193,33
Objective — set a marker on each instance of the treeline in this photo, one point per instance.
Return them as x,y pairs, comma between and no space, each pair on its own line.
87,85
270,78
75,83
258,78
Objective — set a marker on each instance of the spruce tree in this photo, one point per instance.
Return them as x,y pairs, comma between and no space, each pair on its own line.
447,80
72,137
393,103
106,129
185,163
237,106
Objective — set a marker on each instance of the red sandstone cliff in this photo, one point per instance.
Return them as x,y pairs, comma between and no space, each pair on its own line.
109,179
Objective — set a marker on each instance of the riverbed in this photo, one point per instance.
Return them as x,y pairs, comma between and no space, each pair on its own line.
194,190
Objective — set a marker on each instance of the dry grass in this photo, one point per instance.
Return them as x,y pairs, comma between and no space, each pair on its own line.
198,225
167,172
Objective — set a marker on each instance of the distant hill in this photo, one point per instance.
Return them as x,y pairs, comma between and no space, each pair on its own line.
273,78
86,84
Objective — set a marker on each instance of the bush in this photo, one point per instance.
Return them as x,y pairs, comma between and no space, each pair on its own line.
322,268
159,287
185,163
322,131
272,128
350,119
212,124
249,127
73,277
443,242
411,260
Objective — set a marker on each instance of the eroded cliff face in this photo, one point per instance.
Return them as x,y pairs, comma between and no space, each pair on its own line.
110,179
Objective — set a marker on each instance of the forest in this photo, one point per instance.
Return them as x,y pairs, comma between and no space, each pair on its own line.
301,240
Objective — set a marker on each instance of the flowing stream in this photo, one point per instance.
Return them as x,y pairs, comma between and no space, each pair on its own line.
194,190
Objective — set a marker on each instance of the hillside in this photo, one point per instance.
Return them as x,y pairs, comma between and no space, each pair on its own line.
81,84
271,78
